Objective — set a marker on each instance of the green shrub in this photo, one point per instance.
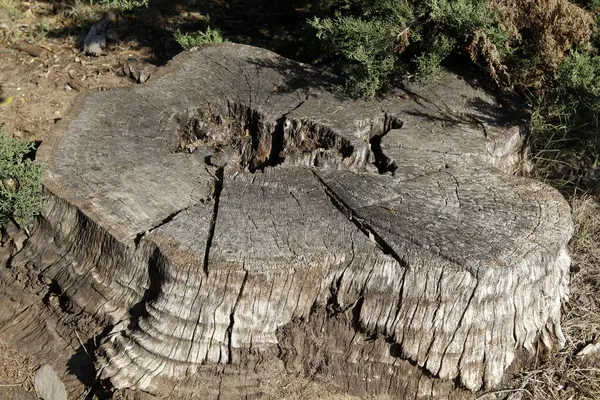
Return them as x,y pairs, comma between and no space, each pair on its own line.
371,41
189,40
365,48
20,181
519,42
578,83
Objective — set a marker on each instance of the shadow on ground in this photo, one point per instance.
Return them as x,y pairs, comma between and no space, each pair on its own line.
273,24
83,365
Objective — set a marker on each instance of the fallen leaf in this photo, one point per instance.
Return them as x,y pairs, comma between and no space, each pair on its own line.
5,102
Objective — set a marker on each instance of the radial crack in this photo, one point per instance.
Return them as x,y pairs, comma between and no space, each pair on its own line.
360,223
213,222
169,218
458,326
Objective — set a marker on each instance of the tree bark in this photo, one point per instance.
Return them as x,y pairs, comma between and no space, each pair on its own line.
235,218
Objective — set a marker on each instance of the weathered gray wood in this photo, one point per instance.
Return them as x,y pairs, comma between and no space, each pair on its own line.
233,217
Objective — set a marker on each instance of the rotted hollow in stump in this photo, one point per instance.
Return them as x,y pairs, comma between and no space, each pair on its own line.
233,216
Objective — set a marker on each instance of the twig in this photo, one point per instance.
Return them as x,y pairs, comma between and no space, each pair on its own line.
13,384
399,35
82,345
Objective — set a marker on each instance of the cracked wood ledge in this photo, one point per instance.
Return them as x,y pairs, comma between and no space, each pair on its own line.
233,220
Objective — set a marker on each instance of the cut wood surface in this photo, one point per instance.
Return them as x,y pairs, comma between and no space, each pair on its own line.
234,221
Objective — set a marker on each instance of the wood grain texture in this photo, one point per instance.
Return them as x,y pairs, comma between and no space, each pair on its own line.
234,218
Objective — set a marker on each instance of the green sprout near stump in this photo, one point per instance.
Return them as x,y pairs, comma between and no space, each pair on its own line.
189,40
20,182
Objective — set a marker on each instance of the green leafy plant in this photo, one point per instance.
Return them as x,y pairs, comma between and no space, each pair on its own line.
20,181
200,38
126,5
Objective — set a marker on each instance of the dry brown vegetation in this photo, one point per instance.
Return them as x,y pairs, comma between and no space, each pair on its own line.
16,369
539,32
552,26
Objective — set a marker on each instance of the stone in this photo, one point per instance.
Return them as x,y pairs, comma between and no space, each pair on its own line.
48,385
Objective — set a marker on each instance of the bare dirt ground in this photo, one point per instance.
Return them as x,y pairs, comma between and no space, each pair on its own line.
42,70
41,74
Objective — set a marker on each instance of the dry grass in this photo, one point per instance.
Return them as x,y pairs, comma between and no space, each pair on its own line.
586,242
565,375
10,14
16,370
10,9
563,146
23,20
82,12
31,21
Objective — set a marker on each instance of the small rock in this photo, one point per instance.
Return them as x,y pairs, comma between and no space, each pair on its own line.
139,71
94,42
4,26
48,385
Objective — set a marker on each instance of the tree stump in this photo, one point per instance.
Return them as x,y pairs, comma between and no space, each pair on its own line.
234,218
